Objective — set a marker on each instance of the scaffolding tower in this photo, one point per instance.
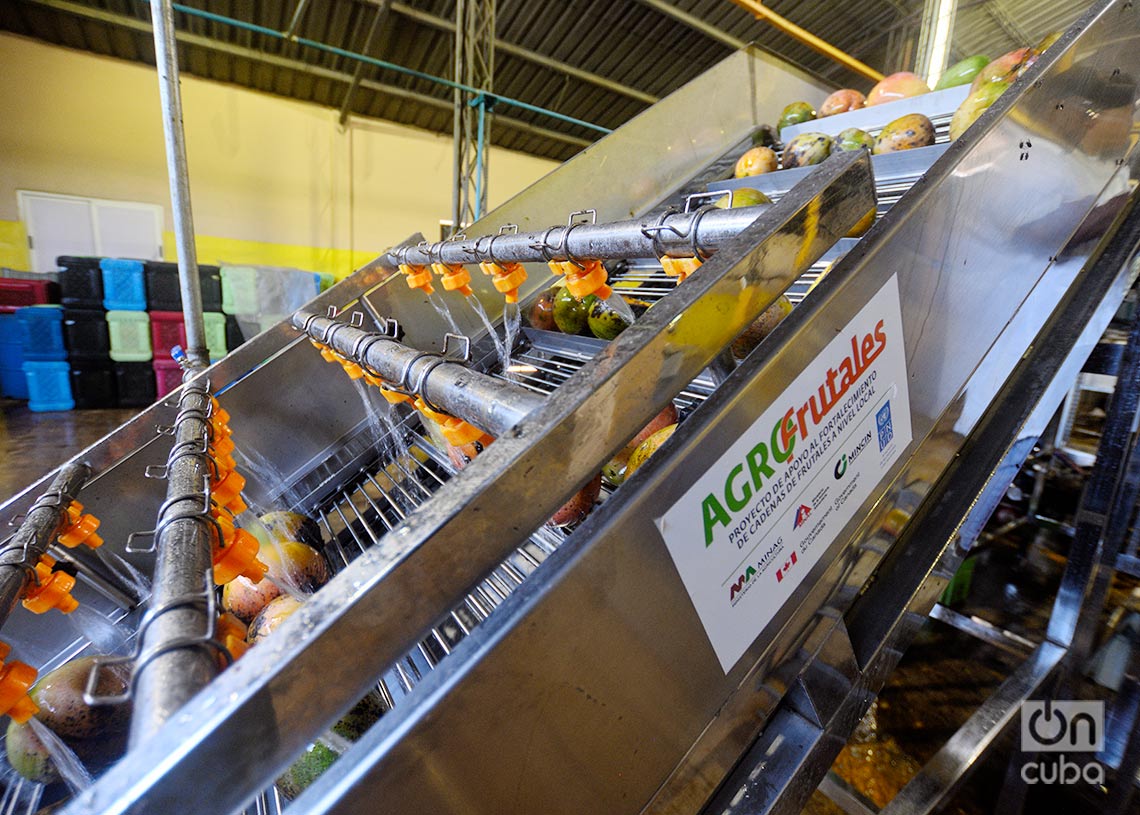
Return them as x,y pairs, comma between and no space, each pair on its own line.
474,68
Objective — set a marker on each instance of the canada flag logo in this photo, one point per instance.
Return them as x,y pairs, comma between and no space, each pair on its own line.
783,570
801,515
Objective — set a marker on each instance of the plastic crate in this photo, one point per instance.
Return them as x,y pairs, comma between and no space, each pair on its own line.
167,376
234,336
80,282
85,335
49,386
215,326
239,290
13,382
16,294
42,333
10,331
124,288
129,332
327,281
134,383
93,385
164,294
166,331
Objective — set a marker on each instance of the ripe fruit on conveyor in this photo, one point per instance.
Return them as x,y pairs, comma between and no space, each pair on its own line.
270,617
764,136
605,321
961,73
647,448
905,133
975,105
852,139
96,733
1003,69
292,526
795,114
743,197
541,314
902,85
807,149
292,564
756,161
570,313
614,471
578,507
842,101
761,327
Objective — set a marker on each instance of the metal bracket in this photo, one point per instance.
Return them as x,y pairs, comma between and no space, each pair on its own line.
461,354
714,195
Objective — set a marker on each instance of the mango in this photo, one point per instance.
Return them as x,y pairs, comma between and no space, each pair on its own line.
795,114
541,315
647,448
605,321
570,313
1036,51
293,526
59,696
764,136
761,327
905,133
977,103
842,101
580,505
292,565
806,149
614,471
743,197
757,161
962,72
901,85
1002,69
270,617
852,139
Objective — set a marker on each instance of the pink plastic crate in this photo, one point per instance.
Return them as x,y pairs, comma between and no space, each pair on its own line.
167,376
167,329
15,293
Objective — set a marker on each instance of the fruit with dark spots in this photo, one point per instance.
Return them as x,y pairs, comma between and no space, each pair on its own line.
578,507
842,101
541,314
270,617
905,133
614,471
570,313
59,696
605,321
795,114
647,448
807,149
852,139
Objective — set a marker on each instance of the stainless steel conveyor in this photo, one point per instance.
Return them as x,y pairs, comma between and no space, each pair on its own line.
600,672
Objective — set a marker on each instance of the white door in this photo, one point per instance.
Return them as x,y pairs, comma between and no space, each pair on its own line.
72,225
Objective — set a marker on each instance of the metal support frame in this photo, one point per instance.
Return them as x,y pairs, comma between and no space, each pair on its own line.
382,9
189,284
491,404
39,529
177,653
474,68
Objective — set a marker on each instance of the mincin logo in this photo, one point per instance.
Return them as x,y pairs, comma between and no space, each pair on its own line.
841,467
1062,727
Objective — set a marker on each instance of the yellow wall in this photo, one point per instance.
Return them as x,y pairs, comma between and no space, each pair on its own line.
272,181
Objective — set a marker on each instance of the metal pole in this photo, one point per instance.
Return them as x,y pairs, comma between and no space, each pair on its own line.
762,12
44,521
480,167
458,114
490,404
175,658
682,234
166,59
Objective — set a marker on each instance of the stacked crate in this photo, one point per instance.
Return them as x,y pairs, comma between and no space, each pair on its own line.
167,326
15,294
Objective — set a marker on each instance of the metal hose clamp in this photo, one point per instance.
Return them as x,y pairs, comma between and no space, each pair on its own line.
653,231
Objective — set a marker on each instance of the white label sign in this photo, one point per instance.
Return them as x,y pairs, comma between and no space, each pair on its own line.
750,529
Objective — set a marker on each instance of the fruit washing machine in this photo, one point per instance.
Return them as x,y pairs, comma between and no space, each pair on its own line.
710,634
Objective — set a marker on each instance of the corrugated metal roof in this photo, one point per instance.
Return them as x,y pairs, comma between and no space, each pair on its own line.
626,41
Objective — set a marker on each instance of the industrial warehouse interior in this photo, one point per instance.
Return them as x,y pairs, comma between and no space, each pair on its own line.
639,407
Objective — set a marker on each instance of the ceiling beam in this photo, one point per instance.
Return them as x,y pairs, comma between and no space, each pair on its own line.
143,26
695,23
443,24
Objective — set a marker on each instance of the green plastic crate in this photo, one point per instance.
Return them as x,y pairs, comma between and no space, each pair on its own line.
215,323
130,336
239,290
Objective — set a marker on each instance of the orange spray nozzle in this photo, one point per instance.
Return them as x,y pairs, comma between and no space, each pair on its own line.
418,277
80,528
589,278
50,589
507,278
238,557
680,268
455,277
16,678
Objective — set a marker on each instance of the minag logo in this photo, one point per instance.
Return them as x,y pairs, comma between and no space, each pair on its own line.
802,514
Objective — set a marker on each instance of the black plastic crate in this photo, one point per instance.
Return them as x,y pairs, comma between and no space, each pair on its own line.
80,282
234,336
93,385
85,335
163,294
134,382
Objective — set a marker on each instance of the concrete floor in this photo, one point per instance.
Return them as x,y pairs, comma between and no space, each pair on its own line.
32,444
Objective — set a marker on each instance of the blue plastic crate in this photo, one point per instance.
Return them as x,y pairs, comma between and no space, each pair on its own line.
49,386
42,333
10,331
11,355
124,285
13,383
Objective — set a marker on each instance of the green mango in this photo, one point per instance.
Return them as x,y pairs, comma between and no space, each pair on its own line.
962,73
975,105
605,322
570,313
852,139
806,149
795,114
